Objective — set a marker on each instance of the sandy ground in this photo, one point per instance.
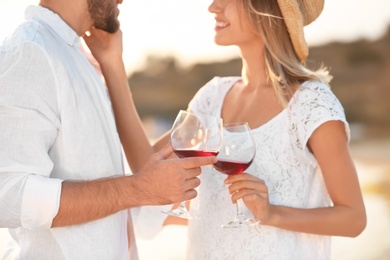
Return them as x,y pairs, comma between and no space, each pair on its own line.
372,160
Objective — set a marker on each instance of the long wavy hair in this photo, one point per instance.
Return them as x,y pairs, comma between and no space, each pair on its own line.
284,69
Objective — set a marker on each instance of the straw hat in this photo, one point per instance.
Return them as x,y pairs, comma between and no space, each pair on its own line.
297,14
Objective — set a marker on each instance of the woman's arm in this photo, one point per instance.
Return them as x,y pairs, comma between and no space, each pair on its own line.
107,50
347,217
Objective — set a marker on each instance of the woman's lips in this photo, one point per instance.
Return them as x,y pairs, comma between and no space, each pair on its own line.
220,25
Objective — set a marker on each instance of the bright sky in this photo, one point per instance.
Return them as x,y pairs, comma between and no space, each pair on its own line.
184,28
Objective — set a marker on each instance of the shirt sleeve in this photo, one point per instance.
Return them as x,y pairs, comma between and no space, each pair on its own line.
29,123
316,104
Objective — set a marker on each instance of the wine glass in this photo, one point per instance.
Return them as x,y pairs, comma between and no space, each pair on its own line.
194,135
235,156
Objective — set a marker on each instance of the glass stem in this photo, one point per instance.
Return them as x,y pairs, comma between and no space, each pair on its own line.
239,215
183,206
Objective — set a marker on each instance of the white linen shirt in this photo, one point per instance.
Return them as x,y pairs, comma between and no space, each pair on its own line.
56,124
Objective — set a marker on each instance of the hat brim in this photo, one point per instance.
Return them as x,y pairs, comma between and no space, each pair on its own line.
294,22
296,15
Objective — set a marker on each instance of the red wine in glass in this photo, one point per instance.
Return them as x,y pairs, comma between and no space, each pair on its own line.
194,134
231,167
235,156
194,153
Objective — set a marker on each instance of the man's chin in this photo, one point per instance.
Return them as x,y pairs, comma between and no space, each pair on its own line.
110,29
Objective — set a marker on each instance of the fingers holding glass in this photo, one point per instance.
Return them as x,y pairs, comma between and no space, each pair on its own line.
236,155
194,135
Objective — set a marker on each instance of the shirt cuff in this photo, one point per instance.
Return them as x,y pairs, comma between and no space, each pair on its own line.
41,201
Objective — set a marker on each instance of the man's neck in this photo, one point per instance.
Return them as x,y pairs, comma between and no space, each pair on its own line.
73,12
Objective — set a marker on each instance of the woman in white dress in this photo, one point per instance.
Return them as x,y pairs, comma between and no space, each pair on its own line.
302,185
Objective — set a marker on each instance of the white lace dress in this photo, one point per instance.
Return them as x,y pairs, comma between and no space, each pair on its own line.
290,171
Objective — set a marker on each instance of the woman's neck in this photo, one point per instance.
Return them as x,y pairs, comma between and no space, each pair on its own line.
253,71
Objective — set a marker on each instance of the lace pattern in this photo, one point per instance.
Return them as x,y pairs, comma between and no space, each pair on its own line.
288,168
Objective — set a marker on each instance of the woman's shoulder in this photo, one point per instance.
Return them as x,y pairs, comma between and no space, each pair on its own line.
315,87
217,87
313,104
211,95
314,93
222,82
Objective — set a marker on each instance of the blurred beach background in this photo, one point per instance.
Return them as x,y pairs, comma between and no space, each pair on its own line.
169,54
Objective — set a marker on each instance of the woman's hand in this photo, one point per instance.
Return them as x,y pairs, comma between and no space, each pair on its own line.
254,192
104,46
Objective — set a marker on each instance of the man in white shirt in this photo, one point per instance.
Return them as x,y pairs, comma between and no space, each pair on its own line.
63,194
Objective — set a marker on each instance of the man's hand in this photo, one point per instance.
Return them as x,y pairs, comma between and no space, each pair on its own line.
166,181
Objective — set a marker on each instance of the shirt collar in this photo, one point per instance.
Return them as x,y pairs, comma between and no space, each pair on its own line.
55,22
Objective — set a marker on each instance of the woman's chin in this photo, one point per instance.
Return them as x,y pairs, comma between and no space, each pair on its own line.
222,43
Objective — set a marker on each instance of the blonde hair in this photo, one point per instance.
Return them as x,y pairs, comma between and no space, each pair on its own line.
284,69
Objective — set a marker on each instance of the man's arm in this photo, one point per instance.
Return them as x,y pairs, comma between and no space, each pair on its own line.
161,181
